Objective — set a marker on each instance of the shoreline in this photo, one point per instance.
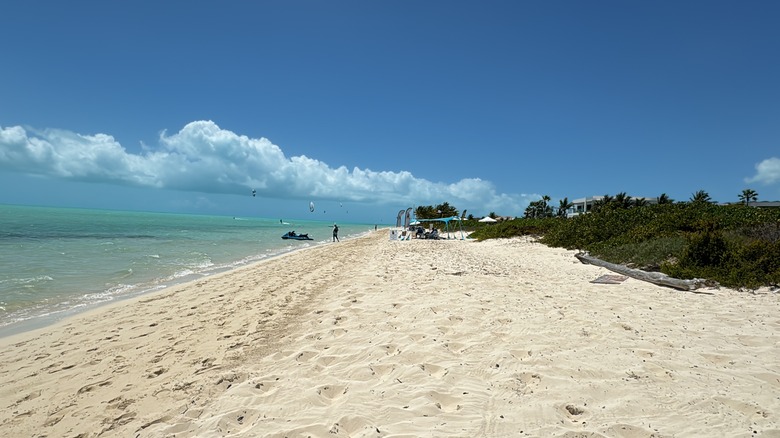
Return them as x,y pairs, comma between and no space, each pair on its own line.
50,318
373,337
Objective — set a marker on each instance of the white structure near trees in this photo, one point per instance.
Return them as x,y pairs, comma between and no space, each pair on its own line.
584,205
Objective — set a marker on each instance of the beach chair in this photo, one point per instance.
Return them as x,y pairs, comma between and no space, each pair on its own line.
433,234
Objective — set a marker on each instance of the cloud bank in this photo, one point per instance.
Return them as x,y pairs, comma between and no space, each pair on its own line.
202,157
767,172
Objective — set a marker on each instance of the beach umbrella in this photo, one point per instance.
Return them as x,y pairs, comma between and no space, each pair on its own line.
488,219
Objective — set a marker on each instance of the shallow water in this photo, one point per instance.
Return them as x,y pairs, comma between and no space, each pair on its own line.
54,261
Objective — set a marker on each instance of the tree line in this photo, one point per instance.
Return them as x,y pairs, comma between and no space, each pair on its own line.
542,208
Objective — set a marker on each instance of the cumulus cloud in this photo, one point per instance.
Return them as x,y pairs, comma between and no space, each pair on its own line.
767,172
203,157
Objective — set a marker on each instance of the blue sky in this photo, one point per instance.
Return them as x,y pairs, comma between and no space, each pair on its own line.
368,107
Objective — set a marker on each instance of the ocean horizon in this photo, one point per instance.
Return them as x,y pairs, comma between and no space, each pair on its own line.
56,261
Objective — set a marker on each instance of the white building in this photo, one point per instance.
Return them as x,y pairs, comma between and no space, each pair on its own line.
584,205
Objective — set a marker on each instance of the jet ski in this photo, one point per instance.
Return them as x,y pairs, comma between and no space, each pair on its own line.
293,236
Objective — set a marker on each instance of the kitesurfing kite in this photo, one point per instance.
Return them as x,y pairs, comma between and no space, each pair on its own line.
311,206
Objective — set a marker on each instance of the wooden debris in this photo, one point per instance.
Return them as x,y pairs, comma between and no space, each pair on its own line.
650,277
610,279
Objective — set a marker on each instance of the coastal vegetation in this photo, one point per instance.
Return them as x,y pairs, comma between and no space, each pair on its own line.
735,245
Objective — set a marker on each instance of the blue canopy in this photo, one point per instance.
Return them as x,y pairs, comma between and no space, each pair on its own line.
446,221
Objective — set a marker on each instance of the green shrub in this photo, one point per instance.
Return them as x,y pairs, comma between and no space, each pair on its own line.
647,255
707,249
737,246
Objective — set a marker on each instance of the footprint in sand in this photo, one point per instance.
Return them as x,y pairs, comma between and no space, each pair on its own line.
390,349
305,356
573,412
434,370
235,422
156,373
92,386
331,392
417,337
337,333
268,385
445,402
30,396
381,370
455,347
350,301
526,383
120,403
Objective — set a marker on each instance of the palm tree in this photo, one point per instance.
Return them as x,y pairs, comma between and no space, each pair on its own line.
747,196
640,202
446,210
538,209
701,197
603,202
425,212
665,199
563,206
622,200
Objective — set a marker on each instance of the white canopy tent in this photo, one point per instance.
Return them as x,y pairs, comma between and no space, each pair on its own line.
488,219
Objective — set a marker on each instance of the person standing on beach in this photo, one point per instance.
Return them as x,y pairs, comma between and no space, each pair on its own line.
336,233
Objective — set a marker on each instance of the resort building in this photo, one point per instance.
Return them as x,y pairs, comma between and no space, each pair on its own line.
765,204
584,205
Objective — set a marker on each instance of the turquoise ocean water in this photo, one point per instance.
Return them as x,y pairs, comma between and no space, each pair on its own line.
57,261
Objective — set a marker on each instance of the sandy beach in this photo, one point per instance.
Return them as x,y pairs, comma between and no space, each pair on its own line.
377,338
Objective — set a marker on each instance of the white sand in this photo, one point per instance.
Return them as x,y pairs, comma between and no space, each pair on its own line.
370,337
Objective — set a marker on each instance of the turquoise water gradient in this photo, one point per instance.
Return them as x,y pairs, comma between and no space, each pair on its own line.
57,260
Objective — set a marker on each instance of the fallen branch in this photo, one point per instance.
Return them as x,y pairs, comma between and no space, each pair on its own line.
650,277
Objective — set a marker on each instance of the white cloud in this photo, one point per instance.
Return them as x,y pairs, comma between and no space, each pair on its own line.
204,158
767,172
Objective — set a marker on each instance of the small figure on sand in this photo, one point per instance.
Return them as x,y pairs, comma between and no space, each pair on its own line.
336,233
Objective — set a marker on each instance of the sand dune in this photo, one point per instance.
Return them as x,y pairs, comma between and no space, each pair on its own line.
371,337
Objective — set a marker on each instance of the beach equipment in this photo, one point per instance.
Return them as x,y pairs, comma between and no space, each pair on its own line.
407,217
447,221
399,218
488,220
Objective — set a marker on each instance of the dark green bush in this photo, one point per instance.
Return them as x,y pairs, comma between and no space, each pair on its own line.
707,249
737,246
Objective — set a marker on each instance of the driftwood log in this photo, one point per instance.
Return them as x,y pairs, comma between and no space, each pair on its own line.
650,277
